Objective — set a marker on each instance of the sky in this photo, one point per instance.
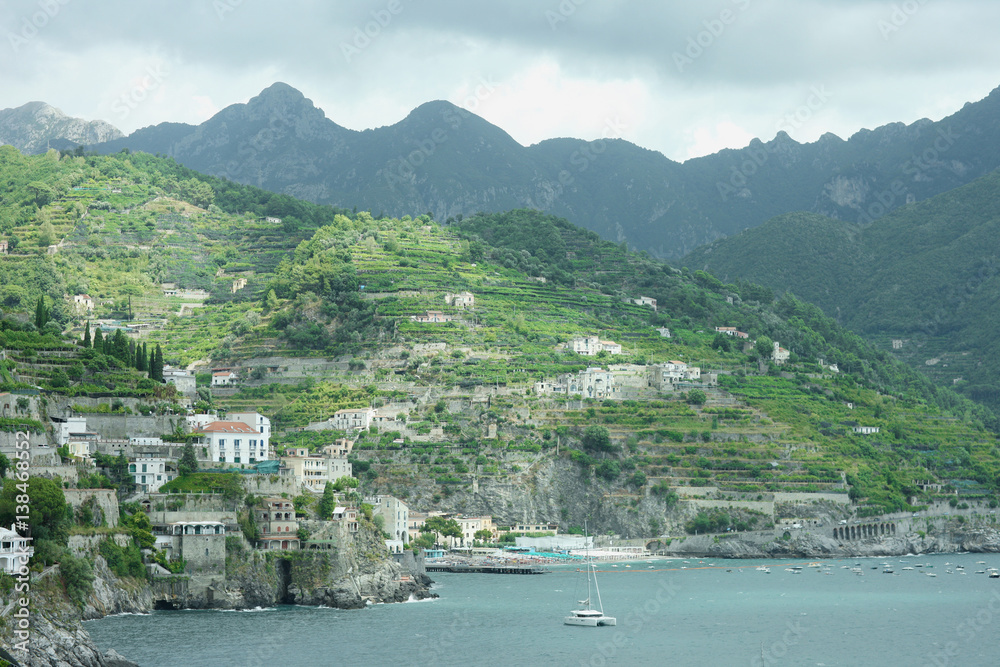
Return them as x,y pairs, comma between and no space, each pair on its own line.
683,78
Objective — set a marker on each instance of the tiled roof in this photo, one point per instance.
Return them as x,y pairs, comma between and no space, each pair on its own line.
226,427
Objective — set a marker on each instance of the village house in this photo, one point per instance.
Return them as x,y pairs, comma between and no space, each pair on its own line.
866,430
3,246
594,382
347,517
64,428
83,303
664,332
313,471
590,346
233,442
14,551
394,513
535,528
150,472
353,418
463,300
663,377
645,301
732,331
277,524
224,378
431,317
780,354
471,525
201,544
182,379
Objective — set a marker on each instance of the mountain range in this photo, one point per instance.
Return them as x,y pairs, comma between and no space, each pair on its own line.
922,281
446,161
36,127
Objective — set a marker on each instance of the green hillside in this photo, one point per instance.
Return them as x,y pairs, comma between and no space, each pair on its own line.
924,276
330,314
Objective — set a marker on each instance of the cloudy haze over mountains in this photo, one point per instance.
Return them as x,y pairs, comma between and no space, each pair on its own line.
686,79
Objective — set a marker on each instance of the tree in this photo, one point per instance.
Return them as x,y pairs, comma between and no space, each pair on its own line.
86,335
156,364
696,397
41,313
119,347
597,439
49,515
328,502
4,465
98,341
141,358
442,526
141,529
484,535
188,463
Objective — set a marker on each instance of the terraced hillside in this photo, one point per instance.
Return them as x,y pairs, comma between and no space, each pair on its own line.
462,337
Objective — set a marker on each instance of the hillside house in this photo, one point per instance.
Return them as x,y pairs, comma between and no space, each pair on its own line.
313,471
14,551
3,246
83,303
594,382
353,418
463,300
663,377
182,379
431,317
202,544
278,526
233,442
645,301
664,332
394,513
866,430
224,378
590,346
150,472
780,354
732,331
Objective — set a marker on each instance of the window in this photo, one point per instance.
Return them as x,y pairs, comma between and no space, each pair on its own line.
144,467
236,459
236,443
222,459
222,443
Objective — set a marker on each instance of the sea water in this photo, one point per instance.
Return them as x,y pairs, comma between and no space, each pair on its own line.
676,612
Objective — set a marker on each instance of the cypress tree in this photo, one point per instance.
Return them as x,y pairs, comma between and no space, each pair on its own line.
131,354
41,313
141,360
98,341
156,368
86,335
119,347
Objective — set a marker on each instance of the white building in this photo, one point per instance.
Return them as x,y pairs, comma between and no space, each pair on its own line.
313,471
664,376
395,513
645,301
253,419
183,379
69,427
151,472
593,383
431,317
353,418
866,430
780,354
201,419
224,378
664,332
14,551
589,346
233,442
462,300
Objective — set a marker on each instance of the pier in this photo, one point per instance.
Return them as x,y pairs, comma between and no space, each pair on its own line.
485,569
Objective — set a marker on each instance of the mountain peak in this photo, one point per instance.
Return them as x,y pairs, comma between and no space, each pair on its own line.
33,127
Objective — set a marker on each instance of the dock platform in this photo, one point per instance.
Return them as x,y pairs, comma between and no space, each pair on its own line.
486,569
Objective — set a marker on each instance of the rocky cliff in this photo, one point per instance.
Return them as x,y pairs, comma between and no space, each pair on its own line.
35,127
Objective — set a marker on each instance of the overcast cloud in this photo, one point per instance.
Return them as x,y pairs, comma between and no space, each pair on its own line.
686,79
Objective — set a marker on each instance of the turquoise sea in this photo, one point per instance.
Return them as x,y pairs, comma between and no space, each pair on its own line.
670,612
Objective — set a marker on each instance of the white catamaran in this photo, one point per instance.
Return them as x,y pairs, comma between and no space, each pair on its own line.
586,614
